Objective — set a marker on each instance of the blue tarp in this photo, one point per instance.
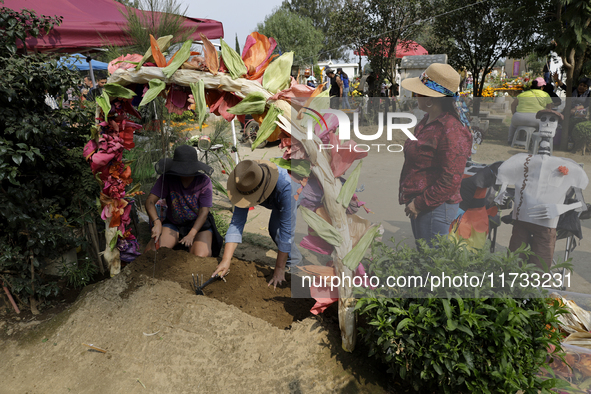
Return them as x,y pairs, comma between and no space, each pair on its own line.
79,62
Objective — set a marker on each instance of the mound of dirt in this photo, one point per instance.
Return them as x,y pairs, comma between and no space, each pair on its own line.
245,286
151,333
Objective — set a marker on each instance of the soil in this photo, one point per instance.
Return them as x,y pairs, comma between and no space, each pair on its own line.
158,336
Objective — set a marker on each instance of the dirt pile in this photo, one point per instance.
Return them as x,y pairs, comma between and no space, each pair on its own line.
160,337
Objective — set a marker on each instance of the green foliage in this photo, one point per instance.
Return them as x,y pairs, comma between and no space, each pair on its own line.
476,35
293,33
140,24
46,187
454,344
18,26
582,135
187,116
318,12
221,222
80,273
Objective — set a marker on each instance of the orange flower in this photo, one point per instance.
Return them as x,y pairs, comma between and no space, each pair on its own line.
563,170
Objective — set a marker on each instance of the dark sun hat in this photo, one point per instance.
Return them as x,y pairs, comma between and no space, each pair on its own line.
183,163
252,182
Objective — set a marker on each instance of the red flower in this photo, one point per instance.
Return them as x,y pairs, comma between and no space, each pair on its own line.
563,170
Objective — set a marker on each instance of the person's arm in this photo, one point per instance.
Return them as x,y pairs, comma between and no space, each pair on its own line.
340,83
233,238
514,105
201,218
153,214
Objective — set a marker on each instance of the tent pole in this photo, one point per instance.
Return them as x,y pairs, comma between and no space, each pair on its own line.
89,60
234,137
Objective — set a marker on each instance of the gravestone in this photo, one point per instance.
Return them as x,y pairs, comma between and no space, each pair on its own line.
413,66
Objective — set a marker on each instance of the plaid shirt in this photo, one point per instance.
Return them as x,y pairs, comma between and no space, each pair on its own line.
434,163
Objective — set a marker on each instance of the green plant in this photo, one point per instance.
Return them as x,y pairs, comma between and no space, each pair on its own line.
46,188
221,222
80,273
186,116
487,343
582,136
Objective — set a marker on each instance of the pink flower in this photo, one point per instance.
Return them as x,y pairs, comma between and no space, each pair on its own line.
563,170
123,62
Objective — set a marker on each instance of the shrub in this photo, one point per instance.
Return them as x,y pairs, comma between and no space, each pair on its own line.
46,188
582,136
495,344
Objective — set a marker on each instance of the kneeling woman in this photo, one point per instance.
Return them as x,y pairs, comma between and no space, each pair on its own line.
186,186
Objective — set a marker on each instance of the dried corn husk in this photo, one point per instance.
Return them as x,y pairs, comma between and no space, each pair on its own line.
180,57
233,61
198,90
254,103
349,187
104,102
267,127
211,55
577,320
156,86
353,258
116,90
277,75
322,227
300,167
582,339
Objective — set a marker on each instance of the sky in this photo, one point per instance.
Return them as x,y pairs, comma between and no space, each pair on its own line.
238,16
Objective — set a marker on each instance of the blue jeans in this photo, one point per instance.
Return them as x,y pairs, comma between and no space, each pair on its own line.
295,256
431,223
346,104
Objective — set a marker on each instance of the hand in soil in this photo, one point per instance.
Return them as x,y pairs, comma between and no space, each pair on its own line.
278,277
188,240
222,269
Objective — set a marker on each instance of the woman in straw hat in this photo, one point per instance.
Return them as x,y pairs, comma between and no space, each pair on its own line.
186,186
260,182
434,162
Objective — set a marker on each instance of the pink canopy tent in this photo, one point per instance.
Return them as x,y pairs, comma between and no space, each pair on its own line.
91,24
407,48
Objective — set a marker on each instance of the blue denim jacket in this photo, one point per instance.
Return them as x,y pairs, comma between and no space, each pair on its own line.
283,215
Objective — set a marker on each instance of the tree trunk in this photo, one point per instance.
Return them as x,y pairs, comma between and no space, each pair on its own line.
111,256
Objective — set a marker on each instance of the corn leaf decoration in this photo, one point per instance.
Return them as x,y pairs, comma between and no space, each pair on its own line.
233,61
268,126
211,55
254,103
198,90
300,167
104,102
349,187
116,90
352,259
155,87
163,44
324,229
159,58
181,56
277,75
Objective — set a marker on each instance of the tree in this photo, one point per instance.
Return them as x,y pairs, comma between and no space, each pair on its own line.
573,42
318,12
476,34
376,27
293,33
46,187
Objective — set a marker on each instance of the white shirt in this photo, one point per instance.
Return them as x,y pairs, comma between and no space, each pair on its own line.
545,184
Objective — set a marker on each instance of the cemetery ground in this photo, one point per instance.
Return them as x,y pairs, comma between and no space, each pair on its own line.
242,336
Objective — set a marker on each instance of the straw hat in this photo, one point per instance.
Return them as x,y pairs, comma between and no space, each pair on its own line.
252,182
183,163
439,74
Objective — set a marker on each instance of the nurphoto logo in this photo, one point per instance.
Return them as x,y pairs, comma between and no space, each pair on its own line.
392,124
